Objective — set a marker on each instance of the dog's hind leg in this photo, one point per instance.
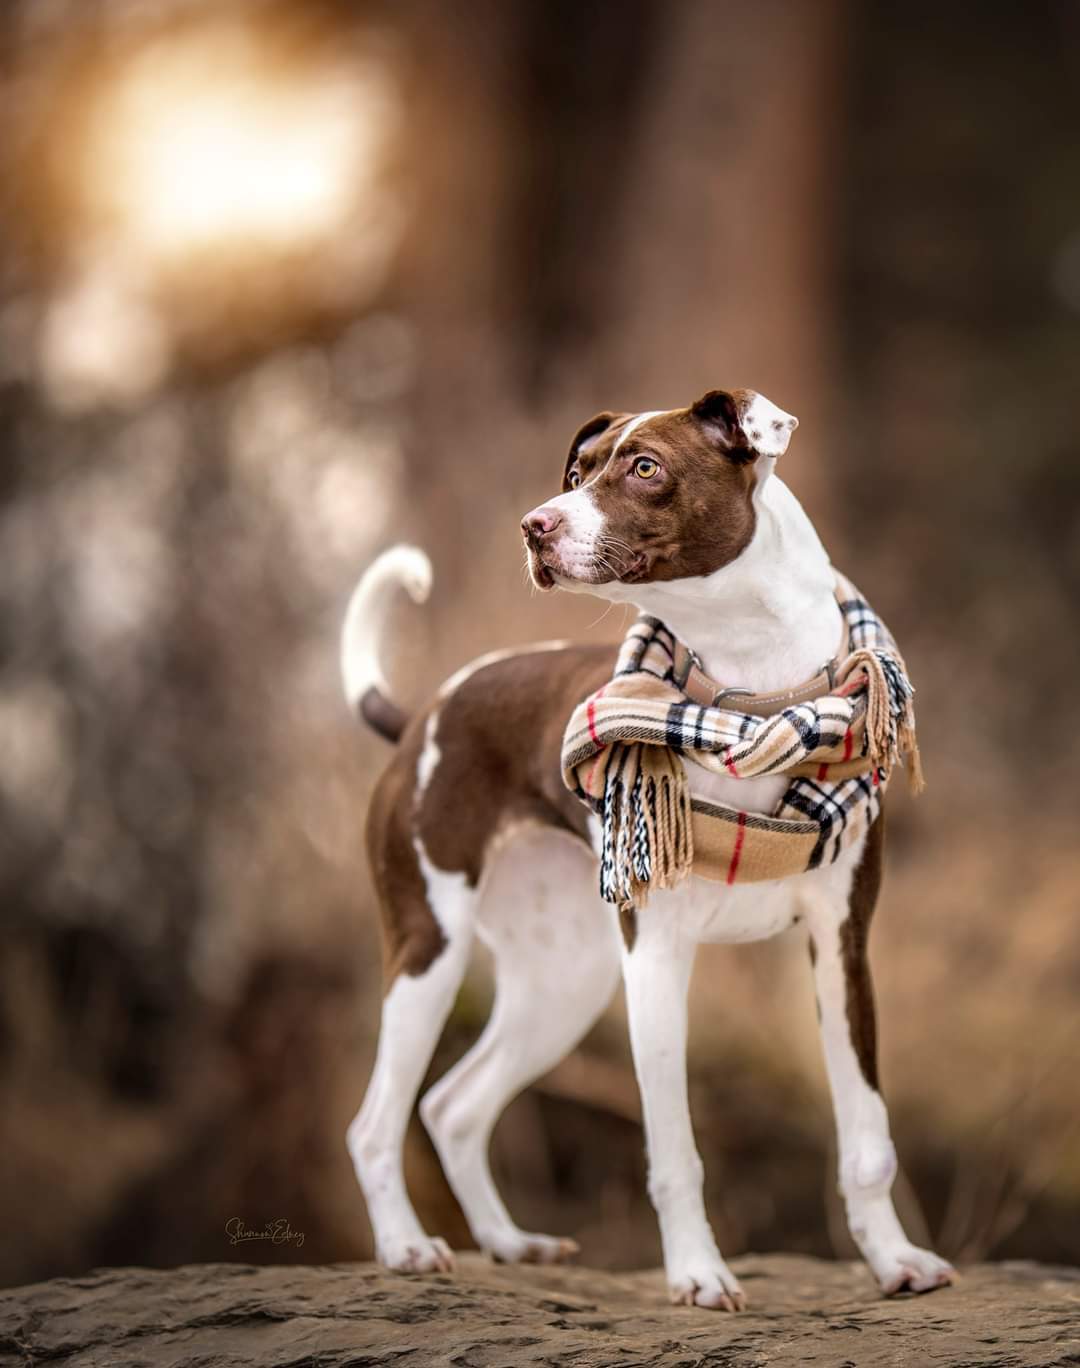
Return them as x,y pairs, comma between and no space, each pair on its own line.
428,962
838,917
556,954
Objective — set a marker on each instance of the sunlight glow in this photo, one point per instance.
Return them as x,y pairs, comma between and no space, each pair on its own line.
220,178
202,146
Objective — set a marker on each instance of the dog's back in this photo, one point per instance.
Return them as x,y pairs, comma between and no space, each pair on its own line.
481,760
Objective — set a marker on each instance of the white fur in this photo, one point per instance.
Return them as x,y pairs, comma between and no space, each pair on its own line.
583,526
401,567
766,621
867,1159
414,1012
556,966
634,424
430,753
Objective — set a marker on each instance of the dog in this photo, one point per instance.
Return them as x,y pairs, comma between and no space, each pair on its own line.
472,831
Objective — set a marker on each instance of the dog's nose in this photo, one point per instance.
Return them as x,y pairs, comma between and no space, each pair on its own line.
541,523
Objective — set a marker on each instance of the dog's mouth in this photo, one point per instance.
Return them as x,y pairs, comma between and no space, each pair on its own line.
636,569
542,575
549,571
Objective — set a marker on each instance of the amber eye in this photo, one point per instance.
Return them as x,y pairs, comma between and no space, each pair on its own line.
573,479
645,467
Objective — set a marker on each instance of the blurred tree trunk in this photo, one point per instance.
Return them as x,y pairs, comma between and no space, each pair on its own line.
629,206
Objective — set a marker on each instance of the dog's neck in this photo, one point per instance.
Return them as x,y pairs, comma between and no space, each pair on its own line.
769,619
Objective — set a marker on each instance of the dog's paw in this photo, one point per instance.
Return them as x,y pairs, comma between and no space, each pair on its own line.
518,1246
418,1254
710,1283
910,1269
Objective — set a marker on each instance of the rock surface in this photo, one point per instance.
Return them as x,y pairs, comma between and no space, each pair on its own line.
803,1311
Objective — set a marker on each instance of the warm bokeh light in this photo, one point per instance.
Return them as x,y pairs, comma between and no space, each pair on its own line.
237,165
203,143
219,178
100,341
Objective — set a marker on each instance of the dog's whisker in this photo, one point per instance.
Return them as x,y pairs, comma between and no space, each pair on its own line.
621,554
602,558
600,562
596,621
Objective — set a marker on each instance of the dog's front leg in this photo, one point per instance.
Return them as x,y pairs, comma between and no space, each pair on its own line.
838,920
656,970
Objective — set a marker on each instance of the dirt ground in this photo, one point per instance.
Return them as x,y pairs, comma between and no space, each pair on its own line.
803,1311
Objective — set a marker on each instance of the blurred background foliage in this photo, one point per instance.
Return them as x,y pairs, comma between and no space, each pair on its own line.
284,282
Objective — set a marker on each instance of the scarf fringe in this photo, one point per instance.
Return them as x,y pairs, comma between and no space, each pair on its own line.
890,712
647,830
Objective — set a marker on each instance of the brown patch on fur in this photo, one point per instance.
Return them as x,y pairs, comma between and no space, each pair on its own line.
695,514
500,737
811,945
854,935
382,715
628,924
412,938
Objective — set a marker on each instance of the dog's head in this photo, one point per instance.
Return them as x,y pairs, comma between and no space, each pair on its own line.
657,496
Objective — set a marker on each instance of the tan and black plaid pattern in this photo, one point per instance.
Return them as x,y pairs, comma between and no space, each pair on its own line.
837,750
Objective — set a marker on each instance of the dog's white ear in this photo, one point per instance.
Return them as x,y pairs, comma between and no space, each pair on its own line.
766,428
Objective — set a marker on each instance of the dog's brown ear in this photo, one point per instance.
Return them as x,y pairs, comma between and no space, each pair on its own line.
746,421
587,433
718,414
718,410
593,428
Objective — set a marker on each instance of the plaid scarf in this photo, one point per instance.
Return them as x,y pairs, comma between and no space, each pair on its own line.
621,757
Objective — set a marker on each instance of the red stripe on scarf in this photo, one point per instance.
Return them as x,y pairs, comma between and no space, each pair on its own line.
737,852
595,738
592,718
849,746
730,763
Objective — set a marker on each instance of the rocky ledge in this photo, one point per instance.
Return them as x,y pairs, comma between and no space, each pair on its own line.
803,1311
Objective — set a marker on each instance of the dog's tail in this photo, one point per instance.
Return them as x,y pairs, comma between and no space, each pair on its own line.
402,567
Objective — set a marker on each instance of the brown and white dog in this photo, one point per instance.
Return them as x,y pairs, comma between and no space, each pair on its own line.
471,831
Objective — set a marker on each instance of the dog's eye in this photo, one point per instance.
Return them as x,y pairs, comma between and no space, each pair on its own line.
645,467
573,479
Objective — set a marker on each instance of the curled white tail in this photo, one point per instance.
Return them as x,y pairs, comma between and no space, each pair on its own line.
401,567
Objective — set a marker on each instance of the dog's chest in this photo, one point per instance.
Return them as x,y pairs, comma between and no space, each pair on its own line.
717,912
743,912
712,911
